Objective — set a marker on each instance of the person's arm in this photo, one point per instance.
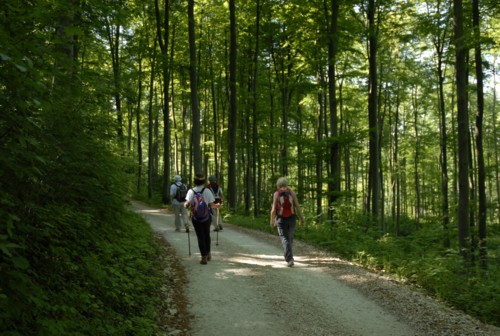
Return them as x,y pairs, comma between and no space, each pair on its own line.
297,208
173,190
273,212
189,198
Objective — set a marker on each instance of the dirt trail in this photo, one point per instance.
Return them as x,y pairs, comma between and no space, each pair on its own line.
248,290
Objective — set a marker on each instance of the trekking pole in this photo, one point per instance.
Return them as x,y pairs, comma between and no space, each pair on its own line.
218,229
189,240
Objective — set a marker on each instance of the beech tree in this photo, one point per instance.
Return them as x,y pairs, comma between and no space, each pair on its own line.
463,128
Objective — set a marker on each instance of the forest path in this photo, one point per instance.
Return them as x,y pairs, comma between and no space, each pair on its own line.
247,290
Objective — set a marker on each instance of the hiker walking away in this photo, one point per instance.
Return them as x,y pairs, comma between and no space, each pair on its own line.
284,213
216,189
201,201
178,192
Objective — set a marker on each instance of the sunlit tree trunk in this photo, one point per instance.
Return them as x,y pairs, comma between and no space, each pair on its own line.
150,124
495,144
113,33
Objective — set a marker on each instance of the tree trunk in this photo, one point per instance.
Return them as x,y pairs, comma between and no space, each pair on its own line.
138,128
463,129
334,160
396,195
444,150
374,186
232,196
114,46
481,175
495,144
319,146
255,136
195,111
150,124
416,159
163,41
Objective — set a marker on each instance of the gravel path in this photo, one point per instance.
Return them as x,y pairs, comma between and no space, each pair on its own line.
248,290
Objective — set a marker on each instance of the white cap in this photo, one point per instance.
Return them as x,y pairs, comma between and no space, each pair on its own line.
177,178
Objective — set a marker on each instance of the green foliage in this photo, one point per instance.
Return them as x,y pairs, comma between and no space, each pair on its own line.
72,260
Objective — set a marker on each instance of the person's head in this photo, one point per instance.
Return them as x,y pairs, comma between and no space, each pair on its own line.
177,178
282,183
212,178
199,179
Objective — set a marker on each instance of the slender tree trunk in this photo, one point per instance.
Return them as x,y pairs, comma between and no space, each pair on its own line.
396,203
163,41
138,128
495,143
416,159
463,129
481,175
114,46
444,151
472,196
195,111
215,119
319,146
255,137
150,124
232,196
374,186
334,180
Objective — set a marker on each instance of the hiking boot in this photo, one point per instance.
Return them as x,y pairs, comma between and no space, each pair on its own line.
290,263
203,260
216,229
187,229
220,227
209,256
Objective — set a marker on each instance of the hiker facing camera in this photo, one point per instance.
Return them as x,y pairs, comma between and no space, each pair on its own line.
284,212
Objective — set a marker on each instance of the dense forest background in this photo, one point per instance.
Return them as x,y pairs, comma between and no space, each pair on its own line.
383,114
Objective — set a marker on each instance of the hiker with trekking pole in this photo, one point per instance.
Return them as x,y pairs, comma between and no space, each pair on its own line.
201,201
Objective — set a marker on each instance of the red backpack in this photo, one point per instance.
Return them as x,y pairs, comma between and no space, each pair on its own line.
285,203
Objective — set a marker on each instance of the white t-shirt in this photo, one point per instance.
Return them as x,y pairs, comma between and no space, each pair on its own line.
207,194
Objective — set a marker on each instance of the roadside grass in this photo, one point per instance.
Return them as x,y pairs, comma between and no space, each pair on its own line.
417,258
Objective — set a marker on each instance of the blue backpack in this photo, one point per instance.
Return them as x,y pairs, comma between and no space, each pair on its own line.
199,208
